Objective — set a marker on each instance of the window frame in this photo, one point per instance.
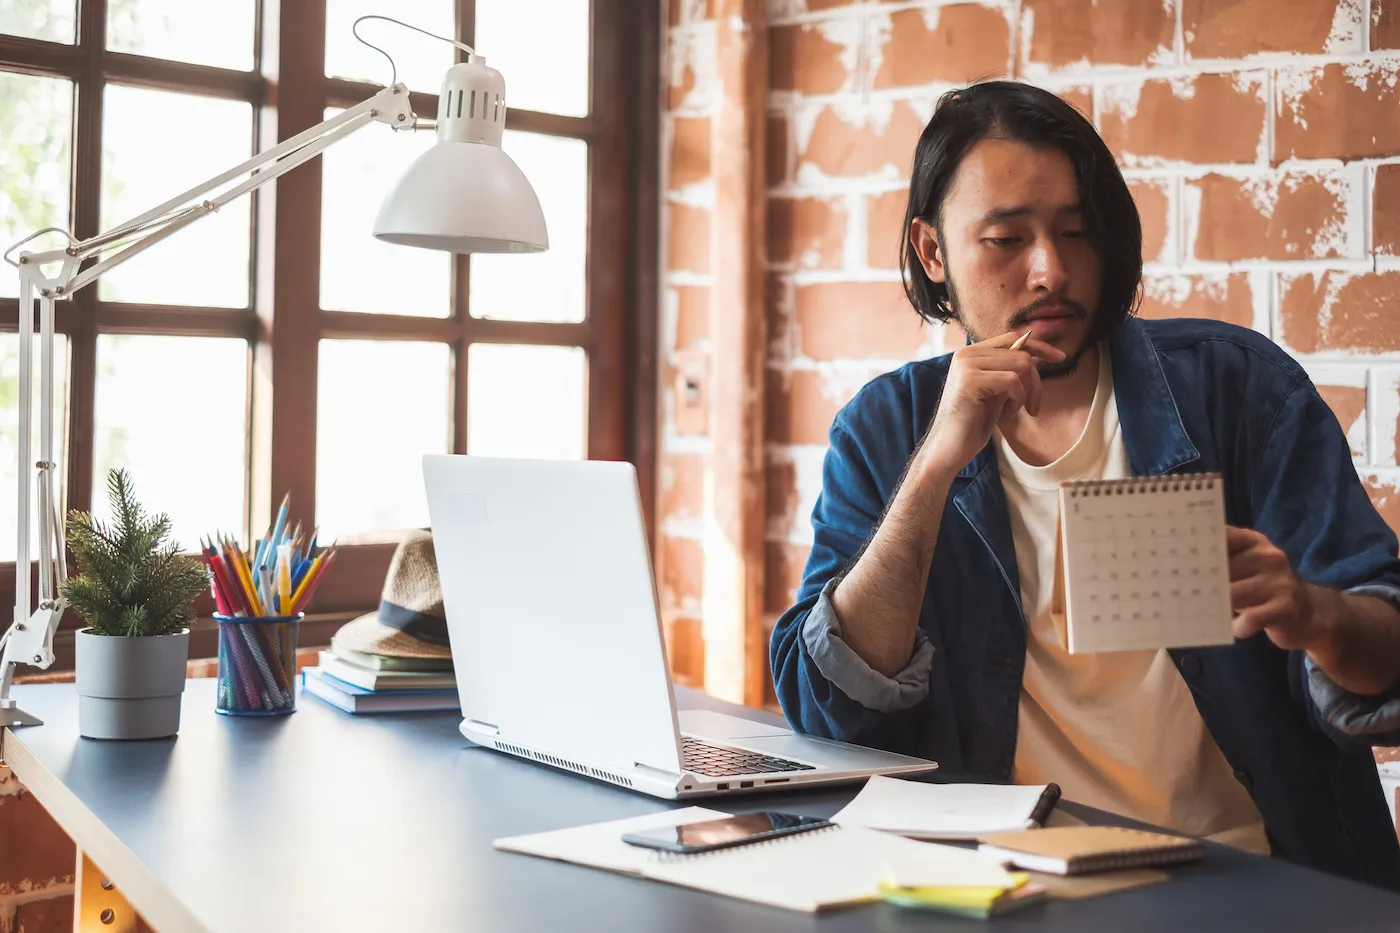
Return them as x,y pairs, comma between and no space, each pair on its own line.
284,322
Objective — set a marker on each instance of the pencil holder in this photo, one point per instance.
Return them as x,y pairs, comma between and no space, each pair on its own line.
257,665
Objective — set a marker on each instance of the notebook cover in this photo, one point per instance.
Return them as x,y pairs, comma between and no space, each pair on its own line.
1097,848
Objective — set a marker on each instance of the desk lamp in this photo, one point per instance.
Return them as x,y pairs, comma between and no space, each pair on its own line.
463,195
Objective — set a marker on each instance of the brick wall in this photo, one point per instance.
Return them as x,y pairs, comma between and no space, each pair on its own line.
1261,139
37,864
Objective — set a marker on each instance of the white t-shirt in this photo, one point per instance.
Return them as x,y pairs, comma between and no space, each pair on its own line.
1118,730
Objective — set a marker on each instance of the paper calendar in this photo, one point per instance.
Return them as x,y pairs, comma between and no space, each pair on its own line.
1142,563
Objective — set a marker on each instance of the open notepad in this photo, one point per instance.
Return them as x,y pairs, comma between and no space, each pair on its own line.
810,871
1142,563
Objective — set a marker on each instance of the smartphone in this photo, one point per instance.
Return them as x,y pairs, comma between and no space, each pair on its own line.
738,830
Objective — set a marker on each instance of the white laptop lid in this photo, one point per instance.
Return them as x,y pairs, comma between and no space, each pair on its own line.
551,606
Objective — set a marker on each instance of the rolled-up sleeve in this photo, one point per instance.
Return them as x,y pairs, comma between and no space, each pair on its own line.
1309,501
848,671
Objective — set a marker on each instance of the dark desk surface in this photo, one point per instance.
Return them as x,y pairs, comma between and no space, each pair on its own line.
326,821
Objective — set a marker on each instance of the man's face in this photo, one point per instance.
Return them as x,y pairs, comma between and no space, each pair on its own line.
1013,249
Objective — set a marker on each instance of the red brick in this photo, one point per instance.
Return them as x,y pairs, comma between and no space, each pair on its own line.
1209,118
682,486
810,232
1348,403
838,148
1100,32
690,151
1236,28
1385,214
848,320
685,643
682,570
814,6
782,577
1385,24
1220,298
1337,112
47,856
1294,216
1340,311
963,43
690,394
1386,498
688,243
780,493
1081,99
801,406
800,58
50,915
778,151
692,315
1153,201
884,228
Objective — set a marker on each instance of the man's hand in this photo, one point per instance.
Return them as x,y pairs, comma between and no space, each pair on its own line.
1267,595
986,382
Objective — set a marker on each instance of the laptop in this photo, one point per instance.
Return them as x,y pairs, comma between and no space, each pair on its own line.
557,640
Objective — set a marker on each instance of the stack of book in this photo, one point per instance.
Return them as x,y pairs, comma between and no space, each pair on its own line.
358,682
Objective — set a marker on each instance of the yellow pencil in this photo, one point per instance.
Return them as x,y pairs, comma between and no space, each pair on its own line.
284,579
245,576
307,577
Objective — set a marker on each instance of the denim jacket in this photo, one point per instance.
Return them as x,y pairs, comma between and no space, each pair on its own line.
1193,396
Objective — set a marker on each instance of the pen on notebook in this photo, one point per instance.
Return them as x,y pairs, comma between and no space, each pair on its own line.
1021,341
1048,798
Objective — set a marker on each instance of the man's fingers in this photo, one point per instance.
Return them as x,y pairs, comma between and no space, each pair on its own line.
1251,592
1239,540
1029,344
1247,624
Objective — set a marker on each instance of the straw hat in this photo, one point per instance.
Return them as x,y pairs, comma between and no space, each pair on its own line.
410,621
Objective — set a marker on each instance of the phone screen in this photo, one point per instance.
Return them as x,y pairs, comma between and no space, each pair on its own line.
731,831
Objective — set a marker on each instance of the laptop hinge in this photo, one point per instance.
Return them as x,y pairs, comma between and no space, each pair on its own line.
476,725
670,777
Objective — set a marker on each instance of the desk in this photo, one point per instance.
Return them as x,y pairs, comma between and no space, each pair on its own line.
325,821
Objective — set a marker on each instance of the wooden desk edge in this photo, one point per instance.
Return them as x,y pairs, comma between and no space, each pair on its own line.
94,840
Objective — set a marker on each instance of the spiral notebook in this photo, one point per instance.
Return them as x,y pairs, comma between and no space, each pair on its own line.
1142,563
812,871
1073,850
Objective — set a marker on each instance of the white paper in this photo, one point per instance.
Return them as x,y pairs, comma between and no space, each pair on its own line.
600,844
941,811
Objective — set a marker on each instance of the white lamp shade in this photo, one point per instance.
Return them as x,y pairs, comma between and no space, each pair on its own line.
463,197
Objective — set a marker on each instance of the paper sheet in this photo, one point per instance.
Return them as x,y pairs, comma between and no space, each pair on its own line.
940,811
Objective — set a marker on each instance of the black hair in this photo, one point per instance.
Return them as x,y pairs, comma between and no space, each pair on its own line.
1026,114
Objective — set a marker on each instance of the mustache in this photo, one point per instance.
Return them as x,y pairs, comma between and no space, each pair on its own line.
1023,316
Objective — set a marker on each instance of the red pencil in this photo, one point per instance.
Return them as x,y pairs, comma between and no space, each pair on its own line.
314,582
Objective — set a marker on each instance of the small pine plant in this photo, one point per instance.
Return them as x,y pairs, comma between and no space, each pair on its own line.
131,581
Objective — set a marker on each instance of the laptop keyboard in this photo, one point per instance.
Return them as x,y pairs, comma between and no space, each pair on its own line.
713,760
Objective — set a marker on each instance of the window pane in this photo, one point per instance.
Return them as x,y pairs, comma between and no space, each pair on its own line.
9,439
421,61
381,405
358,272
545,69
35,164
173,412
50,20
527,402
208,32
151,152
548,286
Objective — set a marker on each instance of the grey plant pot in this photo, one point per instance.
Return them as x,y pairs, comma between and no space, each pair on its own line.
130,688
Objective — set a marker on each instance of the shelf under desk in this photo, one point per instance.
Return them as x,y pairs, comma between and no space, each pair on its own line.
325,821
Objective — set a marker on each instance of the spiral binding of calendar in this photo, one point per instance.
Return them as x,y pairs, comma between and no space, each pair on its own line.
1142,484
671,857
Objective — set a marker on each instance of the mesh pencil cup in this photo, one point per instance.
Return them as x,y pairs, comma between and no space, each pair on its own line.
257,665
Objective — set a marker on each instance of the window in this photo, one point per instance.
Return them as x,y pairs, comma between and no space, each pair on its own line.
276,346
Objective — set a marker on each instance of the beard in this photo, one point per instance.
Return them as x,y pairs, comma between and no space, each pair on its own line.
1047,370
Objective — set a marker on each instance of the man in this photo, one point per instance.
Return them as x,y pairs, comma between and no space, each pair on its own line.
922,624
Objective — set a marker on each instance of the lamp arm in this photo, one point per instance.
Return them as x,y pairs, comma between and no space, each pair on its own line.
29,637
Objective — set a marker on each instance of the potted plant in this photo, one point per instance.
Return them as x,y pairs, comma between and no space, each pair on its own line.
135,592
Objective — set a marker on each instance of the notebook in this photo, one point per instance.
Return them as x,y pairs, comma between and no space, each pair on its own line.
812,871
941,811
355,699
1141,563
1075,850
385,680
